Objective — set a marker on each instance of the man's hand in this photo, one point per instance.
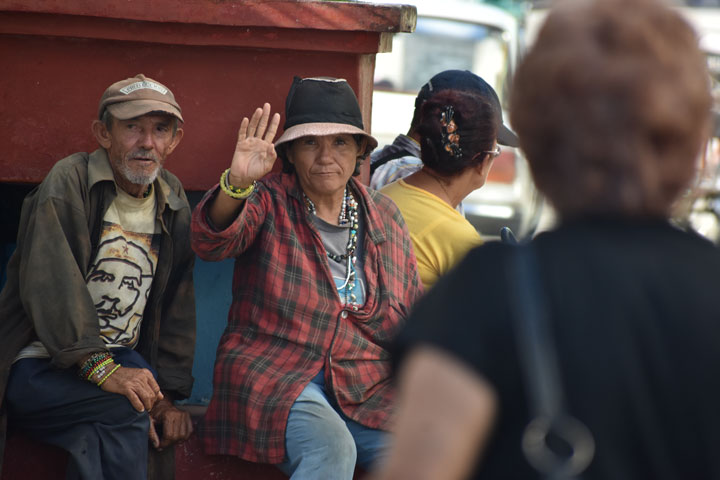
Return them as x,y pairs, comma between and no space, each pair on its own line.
137,384
176,424
254,152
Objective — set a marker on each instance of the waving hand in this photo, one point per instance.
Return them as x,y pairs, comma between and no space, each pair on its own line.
254,152
253,158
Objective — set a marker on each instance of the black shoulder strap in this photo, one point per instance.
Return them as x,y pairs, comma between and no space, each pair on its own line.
538,360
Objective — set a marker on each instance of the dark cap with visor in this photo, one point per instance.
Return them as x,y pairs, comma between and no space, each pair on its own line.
465,81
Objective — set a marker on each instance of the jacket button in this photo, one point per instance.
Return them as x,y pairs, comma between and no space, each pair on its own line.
343,314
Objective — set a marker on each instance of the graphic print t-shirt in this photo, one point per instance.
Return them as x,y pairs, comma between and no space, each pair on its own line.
121,274
120,277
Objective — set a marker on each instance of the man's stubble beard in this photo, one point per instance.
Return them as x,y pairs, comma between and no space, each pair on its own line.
139,178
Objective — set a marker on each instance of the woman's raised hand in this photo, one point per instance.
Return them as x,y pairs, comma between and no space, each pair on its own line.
254,152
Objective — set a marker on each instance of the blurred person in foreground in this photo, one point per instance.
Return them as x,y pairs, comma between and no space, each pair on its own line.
324,277
459,131
611,106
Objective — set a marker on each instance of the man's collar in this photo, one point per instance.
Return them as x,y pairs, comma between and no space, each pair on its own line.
99,169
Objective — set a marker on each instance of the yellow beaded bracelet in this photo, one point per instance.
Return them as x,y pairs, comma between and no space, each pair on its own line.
99,367
108,375
232,191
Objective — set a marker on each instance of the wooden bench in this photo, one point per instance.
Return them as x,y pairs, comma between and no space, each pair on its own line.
26,459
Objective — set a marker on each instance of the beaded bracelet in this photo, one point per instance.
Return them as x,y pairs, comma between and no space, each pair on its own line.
232,191
93,361
100,369
108,375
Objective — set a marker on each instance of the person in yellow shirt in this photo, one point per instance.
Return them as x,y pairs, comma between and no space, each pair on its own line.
460,130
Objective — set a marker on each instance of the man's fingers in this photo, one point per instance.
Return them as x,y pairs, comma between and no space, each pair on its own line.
150,398
141,387
154,439
137,384
135,401
177,426
147,400
152,384
188,426
169,431
184,426
145,387
272,129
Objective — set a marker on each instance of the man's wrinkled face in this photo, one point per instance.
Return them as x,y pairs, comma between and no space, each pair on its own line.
137,149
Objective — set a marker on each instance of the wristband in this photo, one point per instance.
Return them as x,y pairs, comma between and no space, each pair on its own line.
108,375
232,191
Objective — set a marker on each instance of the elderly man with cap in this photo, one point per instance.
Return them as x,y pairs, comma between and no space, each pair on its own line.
324,277
98,315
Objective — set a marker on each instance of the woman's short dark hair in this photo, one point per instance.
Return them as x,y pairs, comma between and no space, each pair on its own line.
288,167
476,122
611,106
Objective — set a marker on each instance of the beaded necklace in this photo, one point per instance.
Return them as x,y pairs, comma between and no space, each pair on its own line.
348,214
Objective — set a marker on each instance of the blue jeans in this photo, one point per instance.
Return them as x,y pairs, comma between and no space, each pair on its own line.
322,443
104,435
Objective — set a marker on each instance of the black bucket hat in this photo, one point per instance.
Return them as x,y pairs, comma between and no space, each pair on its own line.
465,81
322,106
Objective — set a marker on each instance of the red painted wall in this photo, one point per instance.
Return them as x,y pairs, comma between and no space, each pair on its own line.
220,59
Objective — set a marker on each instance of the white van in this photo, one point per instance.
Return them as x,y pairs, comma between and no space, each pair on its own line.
455,34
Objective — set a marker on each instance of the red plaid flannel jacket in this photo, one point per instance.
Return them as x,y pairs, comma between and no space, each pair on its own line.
287,321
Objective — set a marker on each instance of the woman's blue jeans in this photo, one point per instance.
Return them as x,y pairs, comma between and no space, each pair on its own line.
322,443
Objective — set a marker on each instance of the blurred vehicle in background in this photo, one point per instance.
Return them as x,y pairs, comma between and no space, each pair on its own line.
455,34
700,209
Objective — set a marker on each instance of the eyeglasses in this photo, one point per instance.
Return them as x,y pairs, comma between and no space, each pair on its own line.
494,153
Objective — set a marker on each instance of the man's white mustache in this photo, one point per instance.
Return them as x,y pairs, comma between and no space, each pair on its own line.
143,155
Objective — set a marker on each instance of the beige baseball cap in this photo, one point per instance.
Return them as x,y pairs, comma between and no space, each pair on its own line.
137,96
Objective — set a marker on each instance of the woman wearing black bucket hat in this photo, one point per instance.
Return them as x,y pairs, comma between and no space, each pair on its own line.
324,276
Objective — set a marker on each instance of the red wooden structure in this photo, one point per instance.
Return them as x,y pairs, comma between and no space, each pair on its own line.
222,59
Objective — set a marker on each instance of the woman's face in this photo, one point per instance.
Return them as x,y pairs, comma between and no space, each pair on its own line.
324,164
